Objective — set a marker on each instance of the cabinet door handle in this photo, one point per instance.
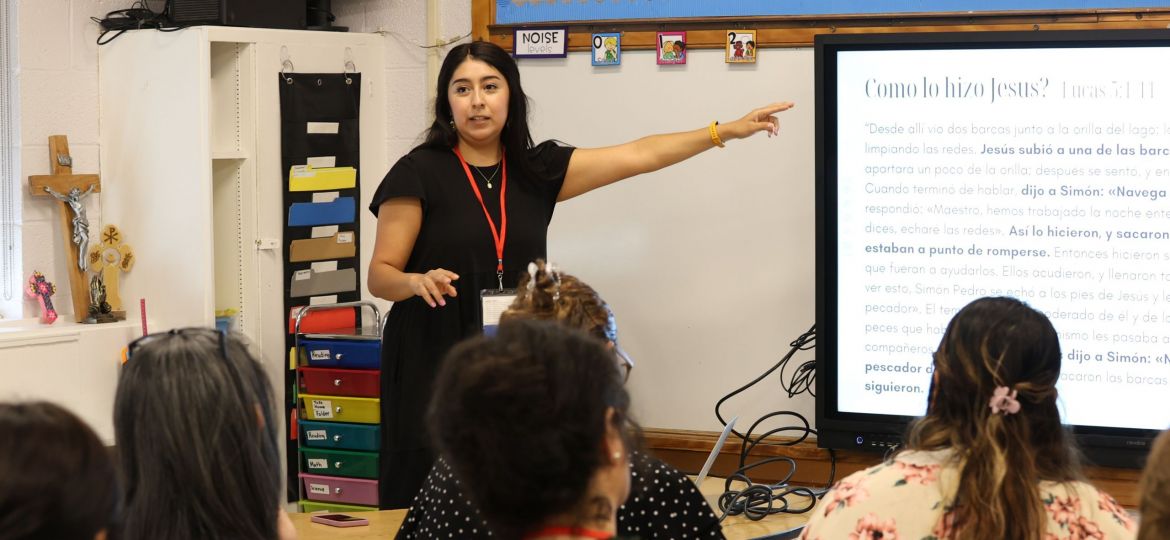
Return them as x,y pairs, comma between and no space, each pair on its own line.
336,382
338,409
337,357
337,491
336,464
337,438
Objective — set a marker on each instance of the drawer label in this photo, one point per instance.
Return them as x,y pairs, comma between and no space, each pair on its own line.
319,489
315,434
322,408
319,354
318,464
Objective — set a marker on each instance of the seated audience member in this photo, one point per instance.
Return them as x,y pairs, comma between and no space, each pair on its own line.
1155,489
196,438
535,424
57,480
990,459
663,502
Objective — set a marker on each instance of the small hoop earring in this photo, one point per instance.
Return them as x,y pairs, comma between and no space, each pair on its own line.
451,123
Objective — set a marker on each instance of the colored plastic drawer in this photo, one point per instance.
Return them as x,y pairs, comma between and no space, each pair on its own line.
314,506
340,462
340,436
340,409
341,382
340,490
342,353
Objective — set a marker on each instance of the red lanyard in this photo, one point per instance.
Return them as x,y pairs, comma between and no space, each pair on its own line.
570,531
498,236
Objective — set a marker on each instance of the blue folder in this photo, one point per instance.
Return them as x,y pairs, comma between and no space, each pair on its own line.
340,210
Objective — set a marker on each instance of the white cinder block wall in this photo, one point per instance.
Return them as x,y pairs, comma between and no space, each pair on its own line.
404,25
58,92
57,78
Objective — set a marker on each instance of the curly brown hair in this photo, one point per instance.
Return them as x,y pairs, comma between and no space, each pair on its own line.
557,296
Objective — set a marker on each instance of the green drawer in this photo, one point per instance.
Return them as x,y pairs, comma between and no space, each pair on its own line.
318,506
339,463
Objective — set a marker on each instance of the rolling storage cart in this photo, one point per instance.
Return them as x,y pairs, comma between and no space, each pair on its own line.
338,411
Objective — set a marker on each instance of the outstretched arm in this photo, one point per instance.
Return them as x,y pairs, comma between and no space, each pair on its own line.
591,168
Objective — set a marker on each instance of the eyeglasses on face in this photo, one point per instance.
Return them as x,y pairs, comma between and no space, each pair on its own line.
624,363
192,331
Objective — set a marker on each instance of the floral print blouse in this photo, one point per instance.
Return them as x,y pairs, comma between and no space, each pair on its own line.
908,499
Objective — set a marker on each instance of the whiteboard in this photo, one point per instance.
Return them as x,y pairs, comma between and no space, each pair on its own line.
708,265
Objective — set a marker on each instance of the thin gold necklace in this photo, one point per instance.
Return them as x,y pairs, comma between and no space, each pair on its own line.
487,178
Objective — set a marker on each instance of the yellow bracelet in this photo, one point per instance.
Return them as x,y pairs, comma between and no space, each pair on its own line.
715,134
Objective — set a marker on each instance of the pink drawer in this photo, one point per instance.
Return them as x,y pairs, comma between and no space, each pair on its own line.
341,382
340,490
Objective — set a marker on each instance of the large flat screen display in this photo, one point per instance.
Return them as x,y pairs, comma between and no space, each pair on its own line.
955,166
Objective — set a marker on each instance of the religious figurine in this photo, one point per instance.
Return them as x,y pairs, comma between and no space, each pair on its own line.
110,257
99,309
41,289
80,223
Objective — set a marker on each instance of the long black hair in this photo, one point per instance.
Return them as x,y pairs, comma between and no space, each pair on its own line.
57,479
196,439
516,137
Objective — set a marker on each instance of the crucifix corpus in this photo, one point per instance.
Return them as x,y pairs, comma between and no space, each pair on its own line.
70,190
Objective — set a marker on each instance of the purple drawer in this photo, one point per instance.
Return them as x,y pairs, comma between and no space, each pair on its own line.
340,490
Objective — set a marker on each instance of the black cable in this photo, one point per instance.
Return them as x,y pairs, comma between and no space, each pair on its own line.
758,501
138,16
805,376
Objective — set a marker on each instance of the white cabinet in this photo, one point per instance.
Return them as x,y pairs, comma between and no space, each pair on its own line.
190,165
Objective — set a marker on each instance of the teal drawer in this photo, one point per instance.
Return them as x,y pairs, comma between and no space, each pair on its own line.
338,435
340,462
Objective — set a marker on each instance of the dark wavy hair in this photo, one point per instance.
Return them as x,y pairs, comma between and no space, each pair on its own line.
516,137
193,420
522,416
994,342
57,480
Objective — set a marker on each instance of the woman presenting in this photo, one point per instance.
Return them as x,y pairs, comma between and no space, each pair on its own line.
465,212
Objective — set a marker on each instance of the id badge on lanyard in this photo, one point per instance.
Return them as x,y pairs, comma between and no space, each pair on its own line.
493,303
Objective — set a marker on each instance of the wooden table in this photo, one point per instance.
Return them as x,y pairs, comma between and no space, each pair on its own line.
385,523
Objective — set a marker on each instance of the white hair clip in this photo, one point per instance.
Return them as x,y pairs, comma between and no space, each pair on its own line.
531,275
556,277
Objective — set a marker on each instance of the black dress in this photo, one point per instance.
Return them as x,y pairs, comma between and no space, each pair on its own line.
454,236
663,503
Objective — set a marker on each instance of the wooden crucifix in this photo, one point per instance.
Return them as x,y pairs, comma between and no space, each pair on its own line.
70,190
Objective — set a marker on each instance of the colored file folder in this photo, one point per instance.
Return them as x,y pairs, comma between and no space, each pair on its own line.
310,283
307,178
340,210
319,321
337,246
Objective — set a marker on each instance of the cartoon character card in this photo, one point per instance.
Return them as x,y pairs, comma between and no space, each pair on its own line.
741,47
607,49
672,47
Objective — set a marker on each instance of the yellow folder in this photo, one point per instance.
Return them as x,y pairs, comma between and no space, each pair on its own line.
307,178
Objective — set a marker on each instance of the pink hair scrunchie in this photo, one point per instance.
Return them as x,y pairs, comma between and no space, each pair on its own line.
1003,401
